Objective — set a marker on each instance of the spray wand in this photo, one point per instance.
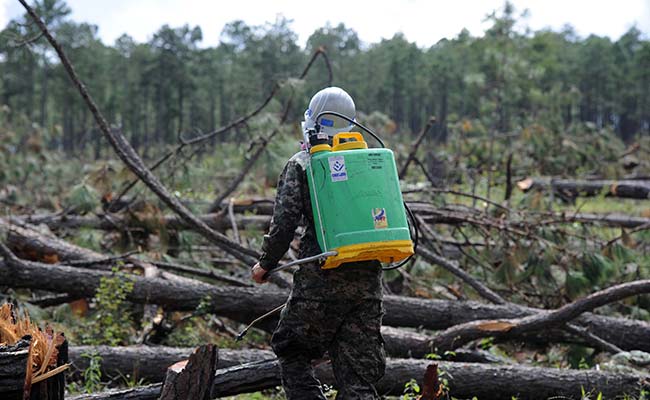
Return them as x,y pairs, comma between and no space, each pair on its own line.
319,257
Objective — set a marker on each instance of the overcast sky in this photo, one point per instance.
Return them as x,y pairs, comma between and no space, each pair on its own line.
422,21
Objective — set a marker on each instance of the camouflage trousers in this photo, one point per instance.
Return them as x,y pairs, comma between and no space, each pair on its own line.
347,329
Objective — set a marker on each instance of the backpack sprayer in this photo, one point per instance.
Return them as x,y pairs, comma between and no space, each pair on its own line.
359,213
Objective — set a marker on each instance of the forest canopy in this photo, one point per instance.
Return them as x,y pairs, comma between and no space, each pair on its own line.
507,78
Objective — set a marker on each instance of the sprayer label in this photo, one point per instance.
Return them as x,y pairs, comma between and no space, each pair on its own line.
379,218
337,169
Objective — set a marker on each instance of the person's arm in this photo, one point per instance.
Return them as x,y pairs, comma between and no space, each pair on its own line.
287,213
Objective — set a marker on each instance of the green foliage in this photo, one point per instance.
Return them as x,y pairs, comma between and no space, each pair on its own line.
411,390
91,376
82,198
510,79
111,322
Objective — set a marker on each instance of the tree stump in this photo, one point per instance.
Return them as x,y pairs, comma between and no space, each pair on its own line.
13,369
16,381
192,378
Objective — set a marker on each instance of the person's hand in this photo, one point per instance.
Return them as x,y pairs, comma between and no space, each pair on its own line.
257,273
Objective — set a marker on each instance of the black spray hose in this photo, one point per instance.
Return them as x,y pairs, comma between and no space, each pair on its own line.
350,120
416,238
414,223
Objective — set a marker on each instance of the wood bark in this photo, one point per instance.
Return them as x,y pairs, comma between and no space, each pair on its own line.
16,380
612,220
13,369
465,380
244,304
261,222
192,378
149,392
574,188
27,242
217,221
150,362
461,334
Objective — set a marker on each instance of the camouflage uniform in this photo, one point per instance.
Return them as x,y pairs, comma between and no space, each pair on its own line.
338,311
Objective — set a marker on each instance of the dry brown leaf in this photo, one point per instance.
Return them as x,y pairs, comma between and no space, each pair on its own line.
79,307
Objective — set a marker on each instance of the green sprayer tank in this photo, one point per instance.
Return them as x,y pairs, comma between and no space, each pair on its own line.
357,203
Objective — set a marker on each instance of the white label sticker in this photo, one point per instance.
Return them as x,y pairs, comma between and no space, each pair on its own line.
337,169
379,218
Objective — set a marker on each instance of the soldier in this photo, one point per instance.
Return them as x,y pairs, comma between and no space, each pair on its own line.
338,311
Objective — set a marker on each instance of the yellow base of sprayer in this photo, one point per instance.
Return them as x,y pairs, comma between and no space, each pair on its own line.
387,252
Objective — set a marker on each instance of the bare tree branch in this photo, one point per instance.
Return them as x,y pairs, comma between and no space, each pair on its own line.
461,334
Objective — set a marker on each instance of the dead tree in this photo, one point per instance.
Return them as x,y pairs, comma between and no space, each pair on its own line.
244,304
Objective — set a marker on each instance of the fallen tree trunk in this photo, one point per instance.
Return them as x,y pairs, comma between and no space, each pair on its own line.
466,380
149,392
449,216
611,220
244,304
150,362
29,243
574,188
217,221
461,334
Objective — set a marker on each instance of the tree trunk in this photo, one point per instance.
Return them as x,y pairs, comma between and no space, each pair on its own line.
16,381
217,221
575,188
149,392
13,369
244,304
150,363
466,380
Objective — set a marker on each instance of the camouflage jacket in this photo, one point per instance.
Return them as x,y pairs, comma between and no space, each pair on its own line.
292,209
360,280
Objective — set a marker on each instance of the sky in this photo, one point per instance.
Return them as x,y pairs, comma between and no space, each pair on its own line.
424,22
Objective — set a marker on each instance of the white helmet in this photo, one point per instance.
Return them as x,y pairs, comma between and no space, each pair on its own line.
330,99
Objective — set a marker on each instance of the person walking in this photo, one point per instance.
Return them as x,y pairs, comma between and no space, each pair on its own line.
329,311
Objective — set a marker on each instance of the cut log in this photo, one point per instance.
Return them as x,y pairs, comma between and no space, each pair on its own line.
574,188
245,304
466,380
191,379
